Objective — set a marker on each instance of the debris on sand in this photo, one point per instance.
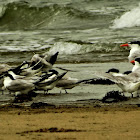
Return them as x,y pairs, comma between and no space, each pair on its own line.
114,96
41,105
24,97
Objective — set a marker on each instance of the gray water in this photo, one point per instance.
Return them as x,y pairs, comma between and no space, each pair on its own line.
82,30
87,34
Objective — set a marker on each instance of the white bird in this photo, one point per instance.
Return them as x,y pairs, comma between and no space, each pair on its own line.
32,70
17,85
128,83
137,64
3,68
47,60
31,77
49,81
68,82
134,49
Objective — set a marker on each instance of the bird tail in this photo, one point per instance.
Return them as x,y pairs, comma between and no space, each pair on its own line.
46,76
83,81
61,75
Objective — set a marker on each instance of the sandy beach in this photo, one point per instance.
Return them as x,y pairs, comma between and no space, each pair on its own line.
88,122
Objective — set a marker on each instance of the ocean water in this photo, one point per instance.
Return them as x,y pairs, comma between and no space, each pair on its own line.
83,31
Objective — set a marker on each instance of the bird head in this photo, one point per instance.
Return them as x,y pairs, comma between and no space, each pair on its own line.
113,70
131,44
137,60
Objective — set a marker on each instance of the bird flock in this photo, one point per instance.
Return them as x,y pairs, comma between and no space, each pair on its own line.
128,81
36,75
39,74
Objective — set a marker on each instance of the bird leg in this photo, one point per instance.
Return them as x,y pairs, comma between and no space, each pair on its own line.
45,92
122,93
66,91
132,95
2,92
138,94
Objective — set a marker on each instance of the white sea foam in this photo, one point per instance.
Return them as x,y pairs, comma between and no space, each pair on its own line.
2,10
65,48
128,19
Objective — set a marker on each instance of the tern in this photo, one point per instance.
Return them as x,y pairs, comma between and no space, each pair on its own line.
47,60
50,81
21,84
15,76
128,83
17,85
68,83
32,70
134,49
3,69
137,64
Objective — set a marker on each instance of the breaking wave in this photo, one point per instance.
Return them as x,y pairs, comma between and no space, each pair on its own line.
74,48
23,16
65,48
128,19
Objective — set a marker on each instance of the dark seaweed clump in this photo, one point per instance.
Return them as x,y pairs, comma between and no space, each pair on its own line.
113,96
41,105
24,97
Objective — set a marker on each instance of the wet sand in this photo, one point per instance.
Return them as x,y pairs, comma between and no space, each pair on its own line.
75,122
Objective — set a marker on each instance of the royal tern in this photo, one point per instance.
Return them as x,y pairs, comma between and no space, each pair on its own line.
128,83
134,49
137,64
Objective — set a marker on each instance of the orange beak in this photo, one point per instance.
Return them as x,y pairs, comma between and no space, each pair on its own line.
133,62
124,45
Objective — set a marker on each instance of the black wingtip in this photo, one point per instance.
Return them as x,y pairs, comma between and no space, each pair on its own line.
61,75
53,58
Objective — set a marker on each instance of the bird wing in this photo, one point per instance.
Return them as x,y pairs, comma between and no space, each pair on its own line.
19,84
65,82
